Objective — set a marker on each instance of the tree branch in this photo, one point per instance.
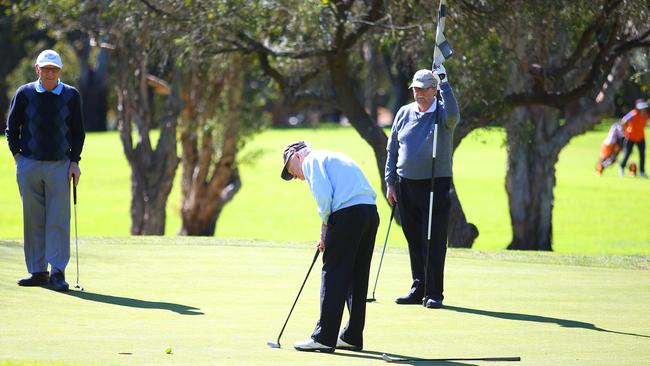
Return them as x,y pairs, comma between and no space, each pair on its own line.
164,13
595,76
584,43
366,22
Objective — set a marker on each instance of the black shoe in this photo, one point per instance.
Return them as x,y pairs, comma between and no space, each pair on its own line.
413,297
35,279
57,281
433,304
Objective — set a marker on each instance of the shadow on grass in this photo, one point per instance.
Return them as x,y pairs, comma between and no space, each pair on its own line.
539,319
376,355
135,303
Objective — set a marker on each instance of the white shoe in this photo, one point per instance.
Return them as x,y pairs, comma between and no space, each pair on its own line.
311,345
621,171
642,175
341,344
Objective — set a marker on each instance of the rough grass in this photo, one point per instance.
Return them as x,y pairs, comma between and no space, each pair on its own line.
217,302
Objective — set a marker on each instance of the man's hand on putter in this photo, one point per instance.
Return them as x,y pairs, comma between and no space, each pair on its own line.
74,172
321,245
391,194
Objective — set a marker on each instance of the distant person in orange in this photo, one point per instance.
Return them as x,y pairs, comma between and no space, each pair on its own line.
633,124
610,148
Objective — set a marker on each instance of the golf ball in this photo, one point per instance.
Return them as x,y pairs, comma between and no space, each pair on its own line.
168,350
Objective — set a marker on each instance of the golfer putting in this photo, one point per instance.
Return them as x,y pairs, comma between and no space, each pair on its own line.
347,206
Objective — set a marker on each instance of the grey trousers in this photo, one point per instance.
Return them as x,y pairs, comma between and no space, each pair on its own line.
45,192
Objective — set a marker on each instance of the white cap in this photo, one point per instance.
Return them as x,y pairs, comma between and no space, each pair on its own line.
641,104
49,58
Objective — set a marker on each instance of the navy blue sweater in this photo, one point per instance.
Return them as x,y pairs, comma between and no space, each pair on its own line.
46,126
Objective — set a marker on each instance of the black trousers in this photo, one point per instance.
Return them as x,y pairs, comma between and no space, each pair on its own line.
413,204
627,150
349,243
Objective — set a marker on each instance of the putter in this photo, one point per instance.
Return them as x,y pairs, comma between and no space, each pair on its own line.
277,344
433,179
388,358
76,236
392,213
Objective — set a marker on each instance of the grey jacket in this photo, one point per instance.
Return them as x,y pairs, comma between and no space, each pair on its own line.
411,140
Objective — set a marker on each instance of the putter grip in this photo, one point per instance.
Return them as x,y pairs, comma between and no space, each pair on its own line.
74,192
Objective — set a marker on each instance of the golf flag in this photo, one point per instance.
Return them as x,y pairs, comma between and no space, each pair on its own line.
442,50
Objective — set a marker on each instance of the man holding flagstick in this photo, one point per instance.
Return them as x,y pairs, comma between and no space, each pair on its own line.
419,172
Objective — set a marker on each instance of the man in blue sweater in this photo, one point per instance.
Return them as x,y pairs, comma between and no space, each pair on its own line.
45,135
408,178
347,207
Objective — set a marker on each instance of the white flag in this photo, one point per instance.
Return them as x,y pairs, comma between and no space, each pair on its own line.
442,49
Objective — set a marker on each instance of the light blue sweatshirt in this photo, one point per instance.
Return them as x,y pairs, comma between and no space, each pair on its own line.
411,139
336,182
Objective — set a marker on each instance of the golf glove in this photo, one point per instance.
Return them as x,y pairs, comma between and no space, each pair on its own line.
440,73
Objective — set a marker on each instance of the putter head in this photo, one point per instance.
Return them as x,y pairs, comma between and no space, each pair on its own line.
273,344
372,299
79,288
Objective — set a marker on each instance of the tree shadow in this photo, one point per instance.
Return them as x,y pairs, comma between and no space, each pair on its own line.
376,355
135,303
539,319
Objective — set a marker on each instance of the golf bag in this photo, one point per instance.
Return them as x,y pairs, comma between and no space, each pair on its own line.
610,148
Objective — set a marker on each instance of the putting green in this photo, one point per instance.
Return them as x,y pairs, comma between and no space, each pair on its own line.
218,302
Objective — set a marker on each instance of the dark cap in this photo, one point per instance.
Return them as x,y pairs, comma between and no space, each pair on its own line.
287,154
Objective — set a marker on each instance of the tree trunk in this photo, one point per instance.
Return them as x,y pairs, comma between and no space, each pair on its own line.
152,171
460,234
370,59
152,176
536,136
530,177
95,103
149,199
351,106
210,178
93,86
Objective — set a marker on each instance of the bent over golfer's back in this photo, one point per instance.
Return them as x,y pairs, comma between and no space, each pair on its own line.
346,204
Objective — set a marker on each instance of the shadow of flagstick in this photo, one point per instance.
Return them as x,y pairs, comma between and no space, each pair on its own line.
539,319
135,303
377,355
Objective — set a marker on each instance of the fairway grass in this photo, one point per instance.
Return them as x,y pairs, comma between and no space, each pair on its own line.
217,302
592,215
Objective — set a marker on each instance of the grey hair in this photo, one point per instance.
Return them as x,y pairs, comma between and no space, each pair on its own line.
304,151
